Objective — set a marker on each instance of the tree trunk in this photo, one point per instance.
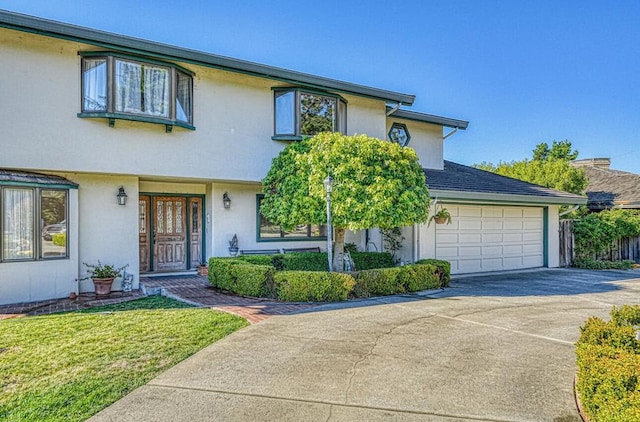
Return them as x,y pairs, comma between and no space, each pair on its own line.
338,250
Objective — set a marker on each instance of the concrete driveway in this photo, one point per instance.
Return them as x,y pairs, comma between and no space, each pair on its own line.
489,348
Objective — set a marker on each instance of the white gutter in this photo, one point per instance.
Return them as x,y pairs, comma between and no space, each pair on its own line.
393,109
572,209
450,133
463,196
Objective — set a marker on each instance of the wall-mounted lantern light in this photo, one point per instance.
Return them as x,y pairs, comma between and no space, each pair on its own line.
122,196
226,201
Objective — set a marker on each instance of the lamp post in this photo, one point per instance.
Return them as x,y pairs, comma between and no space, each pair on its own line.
328,186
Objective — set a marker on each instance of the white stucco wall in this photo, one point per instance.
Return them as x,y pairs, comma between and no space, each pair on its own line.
233,115
107,231
426,140
553,245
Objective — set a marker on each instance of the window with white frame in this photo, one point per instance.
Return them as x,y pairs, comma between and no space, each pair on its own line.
33,223
116,86
300,113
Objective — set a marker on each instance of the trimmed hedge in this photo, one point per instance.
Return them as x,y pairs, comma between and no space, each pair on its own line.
594,264
370,260
608,359
444,269
389,281
302,277
242,278
310,286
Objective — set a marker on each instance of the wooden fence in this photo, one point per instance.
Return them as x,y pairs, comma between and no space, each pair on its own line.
626,248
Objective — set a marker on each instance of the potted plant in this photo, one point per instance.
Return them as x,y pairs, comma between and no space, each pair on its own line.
103,276
233,246
441,217
203,269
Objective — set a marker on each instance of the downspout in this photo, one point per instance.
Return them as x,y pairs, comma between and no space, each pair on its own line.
450,133
394,109
565,212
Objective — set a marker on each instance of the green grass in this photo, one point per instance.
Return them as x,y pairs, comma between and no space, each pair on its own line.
67,367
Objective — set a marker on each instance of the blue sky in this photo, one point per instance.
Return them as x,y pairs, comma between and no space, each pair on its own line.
521,72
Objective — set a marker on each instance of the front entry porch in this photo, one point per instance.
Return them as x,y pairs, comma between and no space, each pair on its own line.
171,231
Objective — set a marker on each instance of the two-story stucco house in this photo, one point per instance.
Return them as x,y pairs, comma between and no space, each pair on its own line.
151,155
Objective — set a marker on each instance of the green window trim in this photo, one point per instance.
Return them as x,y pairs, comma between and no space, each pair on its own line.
297,110
39,230
117,86
283,234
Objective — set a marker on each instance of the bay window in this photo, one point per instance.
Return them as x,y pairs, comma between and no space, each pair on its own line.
122,87
301,113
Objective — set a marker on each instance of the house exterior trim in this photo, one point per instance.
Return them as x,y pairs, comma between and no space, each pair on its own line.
500,198
26,23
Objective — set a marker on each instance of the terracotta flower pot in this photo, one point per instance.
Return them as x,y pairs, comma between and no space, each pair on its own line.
203,270
103,285
440,220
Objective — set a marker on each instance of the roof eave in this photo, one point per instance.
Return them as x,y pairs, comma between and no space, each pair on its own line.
506,198
430,118
26,23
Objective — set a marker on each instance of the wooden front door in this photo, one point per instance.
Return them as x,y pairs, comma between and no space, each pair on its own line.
169,233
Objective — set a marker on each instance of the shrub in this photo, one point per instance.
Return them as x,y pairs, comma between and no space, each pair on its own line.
608,363
305,286
59,239
370,260
594,264
241,277
627,315
257,259
415,278
302,261
377,282
443,268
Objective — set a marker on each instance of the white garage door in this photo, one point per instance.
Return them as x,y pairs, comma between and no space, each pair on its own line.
491,238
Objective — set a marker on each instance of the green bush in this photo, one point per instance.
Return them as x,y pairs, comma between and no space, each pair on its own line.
378,282
257,259
594,264
415,278
241,277
370,260
608,363
59,239
307,286
302,261
443,267
596,233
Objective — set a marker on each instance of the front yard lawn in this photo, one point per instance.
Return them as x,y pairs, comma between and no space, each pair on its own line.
67,367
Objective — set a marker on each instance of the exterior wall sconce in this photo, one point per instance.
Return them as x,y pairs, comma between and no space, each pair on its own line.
122,196
226,201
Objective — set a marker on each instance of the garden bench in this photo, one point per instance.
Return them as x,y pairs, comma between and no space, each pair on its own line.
259,251
312,249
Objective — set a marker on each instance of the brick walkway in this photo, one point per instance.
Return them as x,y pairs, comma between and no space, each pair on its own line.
83,301
191,289
196,290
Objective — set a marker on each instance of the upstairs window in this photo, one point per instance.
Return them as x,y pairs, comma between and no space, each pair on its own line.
120,87
299,113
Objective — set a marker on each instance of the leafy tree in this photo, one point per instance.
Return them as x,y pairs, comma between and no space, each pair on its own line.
560,150
376,184
550,167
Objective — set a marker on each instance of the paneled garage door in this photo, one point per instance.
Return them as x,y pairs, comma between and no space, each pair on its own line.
491,238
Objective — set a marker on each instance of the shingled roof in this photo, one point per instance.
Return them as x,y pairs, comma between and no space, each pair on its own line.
8,176
457,181
612,188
